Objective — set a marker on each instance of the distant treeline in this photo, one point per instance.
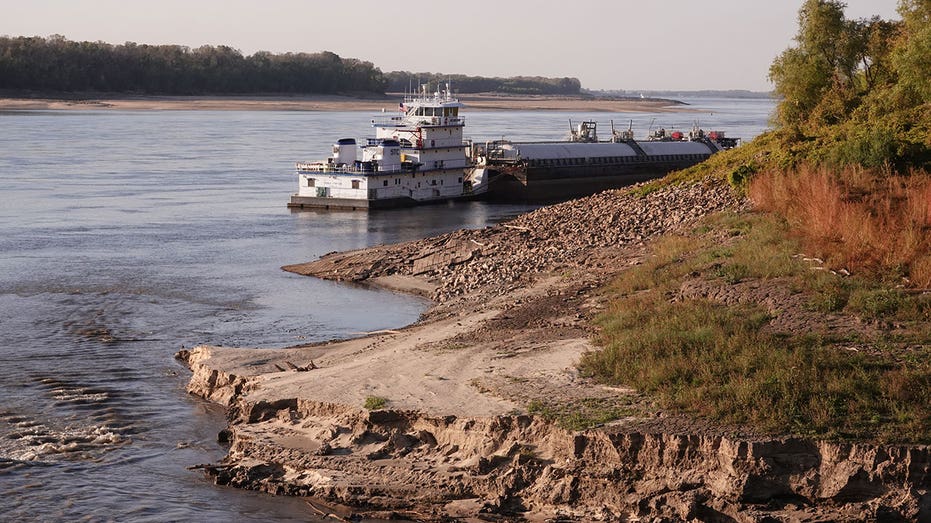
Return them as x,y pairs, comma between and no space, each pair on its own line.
401,81
58,64
704,93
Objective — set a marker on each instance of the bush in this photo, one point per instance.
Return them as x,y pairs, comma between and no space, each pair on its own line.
739,178
375,402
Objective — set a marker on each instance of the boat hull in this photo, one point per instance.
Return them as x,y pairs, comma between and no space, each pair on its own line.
311,202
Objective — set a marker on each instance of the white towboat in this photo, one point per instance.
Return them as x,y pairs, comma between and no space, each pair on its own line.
417,156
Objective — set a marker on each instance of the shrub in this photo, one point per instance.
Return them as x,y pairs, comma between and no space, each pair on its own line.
740,177
375,402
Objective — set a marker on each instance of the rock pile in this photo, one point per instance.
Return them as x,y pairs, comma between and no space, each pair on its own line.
496,259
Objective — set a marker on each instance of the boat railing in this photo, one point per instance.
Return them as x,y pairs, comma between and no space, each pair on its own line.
362,168
431,98
405,121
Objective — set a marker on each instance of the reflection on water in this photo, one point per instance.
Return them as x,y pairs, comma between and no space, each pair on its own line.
127,235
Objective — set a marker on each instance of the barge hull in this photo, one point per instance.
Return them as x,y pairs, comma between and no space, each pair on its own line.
559,184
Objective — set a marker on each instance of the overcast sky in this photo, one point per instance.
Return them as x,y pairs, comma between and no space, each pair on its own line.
607,44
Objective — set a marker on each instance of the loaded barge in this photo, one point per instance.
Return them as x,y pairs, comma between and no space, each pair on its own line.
552,171
419,156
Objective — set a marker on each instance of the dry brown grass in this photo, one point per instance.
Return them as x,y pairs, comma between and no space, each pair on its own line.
866,221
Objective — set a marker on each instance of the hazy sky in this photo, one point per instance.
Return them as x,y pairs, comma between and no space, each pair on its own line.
607,44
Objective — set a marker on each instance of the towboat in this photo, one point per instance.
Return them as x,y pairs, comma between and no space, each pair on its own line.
417,156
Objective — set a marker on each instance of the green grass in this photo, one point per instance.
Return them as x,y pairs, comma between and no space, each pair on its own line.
728,246
876,303
720,362
827,292
375,402
738,165
582,414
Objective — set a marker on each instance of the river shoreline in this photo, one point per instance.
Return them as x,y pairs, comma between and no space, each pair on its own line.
460,427
372,103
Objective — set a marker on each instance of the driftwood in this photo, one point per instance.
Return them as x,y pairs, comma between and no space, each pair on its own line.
209,467
295,368
325,513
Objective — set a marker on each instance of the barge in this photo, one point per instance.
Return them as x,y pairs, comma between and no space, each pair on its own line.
554,171
417,156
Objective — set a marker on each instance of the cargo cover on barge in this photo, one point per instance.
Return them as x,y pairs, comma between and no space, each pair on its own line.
553,171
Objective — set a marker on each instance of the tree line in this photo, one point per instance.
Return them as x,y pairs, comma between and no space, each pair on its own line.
61,65
403,81
858,91
58,64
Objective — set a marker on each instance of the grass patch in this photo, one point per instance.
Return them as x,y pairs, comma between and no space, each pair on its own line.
876,303
827,292
715,361
375,402
720,362
728,246
583,414
732,272
670,258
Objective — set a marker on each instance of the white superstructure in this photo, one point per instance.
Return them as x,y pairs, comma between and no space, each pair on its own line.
416,156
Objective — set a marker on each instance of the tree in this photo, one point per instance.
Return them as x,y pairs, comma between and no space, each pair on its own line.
835,64
912,57
803,74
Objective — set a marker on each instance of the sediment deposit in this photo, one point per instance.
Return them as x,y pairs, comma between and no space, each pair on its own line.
455,438
324,102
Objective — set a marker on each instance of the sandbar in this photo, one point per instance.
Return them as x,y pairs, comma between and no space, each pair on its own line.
368,103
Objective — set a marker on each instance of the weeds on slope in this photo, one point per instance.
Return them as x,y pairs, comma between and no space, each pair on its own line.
725,362
863,220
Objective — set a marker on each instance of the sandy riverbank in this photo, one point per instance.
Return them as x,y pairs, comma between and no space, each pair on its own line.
476,102
464,395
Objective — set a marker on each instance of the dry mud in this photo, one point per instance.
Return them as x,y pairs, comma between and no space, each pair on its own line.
512,316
